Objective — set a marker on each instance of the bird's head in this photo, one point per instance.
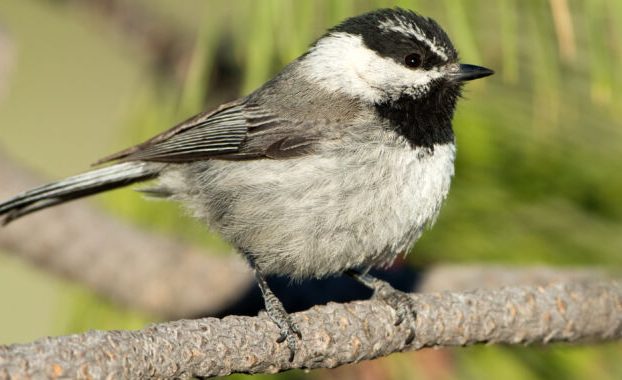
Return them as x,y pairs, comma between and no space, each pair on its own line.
387,55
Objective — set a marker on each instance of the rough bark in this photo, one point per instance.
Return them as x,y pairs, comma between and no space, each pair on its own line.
333,335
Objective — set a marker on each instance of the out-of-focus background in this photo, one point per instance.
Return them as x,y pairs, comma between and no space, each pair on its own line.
539,168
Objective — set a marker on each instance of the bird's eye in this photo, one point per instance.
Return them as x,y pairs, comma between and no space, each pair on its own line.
413,60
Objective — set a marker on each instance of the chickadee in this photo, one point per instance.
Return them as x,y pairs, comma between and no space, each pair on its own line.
334,166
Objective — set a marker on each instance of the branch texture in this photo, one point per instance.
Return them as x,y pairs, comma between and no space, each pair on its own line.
333,335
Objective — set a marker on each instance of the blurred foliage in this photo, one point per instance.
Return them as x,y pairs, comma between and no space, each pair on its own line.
540,147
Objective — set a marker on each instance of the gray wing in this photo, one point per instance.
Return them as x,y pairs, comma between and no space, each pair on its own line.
234,131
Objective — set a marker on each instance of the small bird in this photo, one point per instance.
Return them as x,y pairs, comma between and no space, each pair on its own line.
336,165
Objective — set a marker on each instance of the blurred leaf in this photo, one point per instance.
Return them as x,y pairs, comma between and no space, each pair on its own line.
508,21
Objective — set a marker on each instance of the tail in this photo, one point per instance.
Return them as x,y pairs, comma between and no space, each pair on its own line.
75,187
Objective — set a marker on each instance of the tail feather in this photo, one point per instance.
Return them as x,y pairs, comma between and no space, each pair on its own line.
75,187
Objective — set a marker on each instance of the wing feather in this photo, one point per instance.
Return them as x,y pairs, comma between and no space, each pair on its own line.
234,131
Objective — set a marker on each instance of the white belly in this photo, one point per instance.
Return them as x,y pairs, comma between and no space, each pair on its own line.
321,214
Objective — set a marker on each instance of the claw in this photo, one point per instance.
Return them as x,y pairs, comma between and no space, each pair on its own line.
288,330
399,301
291,344
282,336
403,305
296,330
399,319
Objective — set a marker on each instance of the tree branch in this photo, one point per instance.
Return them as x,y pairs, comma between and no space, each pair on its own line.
333,335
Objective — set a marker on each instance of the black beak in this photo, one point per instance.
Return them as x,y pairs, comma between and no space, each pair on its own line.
471,72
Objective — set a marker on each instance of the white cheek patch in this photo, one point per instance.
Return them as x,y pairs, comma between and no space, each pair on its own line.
341,62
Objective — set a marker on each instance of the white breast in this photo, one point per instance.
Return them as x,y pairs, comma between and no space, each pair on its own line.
351,205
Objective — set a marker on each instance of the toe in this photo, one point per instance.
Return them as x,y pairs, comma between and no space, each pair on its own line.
404,308
296,330
291,344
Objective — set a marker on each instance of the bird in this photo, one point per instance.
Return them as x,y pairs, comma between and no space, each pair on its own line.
336,165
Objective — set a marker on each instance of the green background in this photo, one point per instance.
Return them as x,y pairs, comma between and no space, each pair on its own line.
539,145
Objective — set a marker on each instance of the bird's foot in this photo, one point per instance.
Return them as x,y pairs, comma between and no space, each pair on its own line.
402,303
288,329
399,301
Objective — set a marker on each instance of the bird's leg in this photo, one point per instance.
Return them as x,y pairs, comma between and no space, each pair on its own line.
401,302
288,328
